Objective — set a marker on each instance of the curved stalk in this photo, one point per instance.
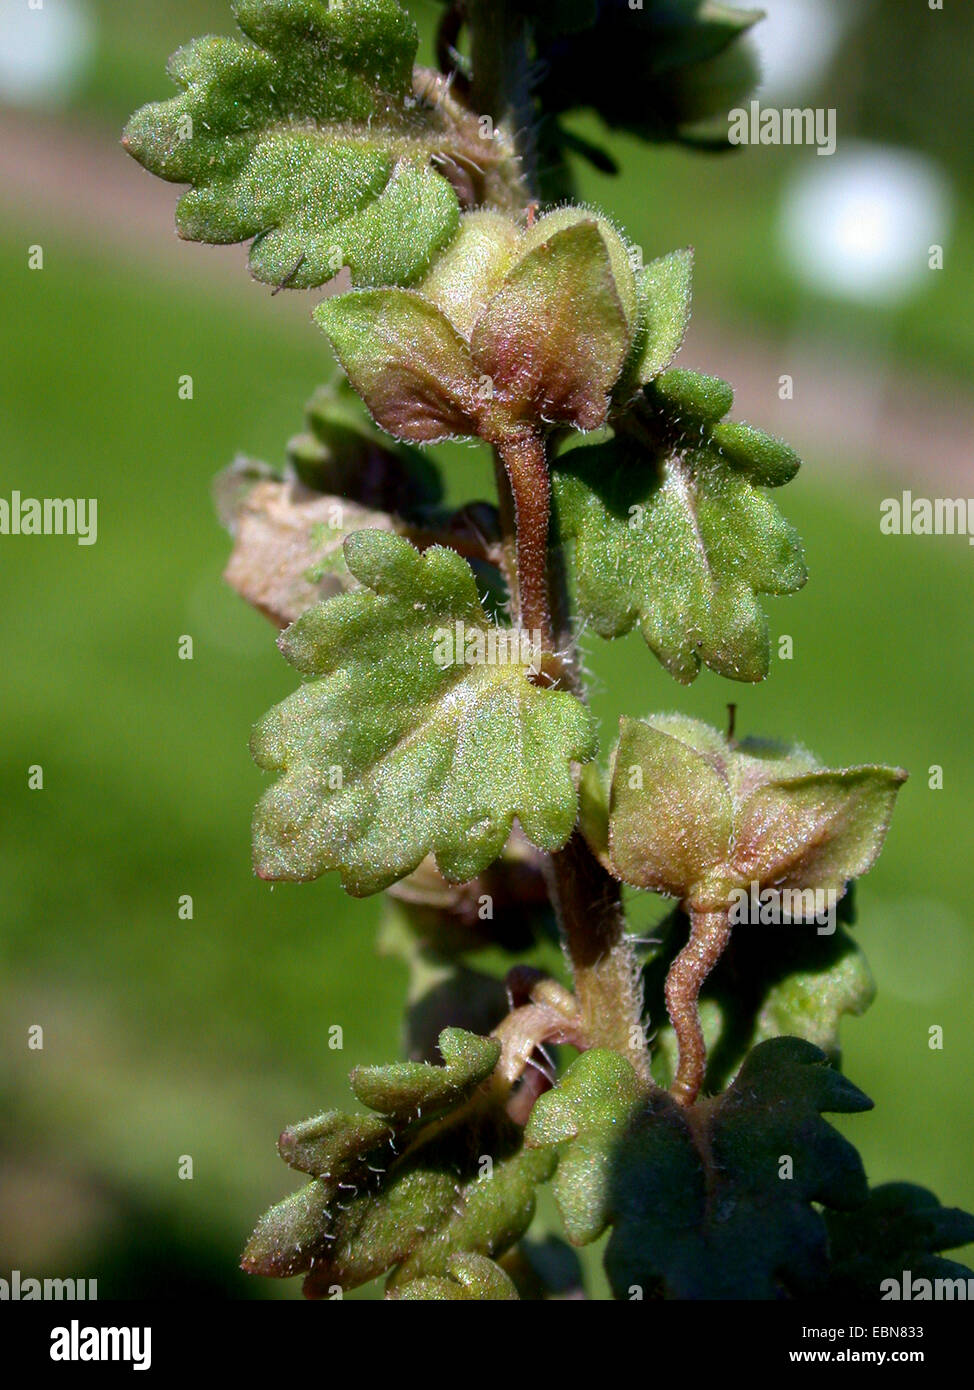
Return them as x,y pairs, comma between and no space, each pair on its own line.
709,935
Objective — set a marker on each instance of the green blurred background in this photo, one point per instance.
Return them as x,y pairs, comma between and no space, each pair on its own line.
166,1037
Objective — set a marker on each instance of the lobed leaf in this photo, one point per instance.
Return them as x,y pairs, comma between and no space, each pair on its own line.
315,140
897,1236
587,1113
698,1200
389,754
670,530
433,1189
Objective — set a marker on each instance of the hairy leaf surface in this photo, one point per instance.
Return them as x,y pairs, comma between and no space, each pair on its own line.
388,754
671,530
696,1198
317,140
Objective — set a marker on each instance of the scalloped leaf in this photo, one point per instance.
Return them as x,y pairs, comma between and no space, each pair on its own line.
389,753
897,1236
672,532
315,140
698,1200
588,1113
440,1177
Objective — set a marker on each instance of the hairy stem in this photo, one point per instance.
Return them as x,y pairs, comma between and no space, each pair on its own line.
586,897
527,470
709,935
588,903
508,525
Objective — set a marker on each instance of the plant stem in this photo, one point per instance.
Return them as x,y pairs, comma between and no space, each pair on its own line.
500,86
588,903
527,470
709,935
586,898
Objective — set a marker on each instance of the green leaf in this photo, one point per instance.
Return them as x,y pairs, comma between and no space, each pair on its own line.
896,1235
674,535
588,1113
331,1141
388,752
665,289
767,461
471,1276
486,1213
290,1236
819,829
407,362
697,1199
315,140
687,402
671,817
405,1090
441,1177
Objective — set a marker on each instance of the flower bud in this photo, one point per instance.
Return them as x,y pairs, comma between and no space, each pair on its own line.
510,331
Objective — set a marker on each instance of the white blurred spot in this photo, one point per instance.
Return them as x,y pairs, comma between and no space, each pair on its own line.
43,52
861,224
797,40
